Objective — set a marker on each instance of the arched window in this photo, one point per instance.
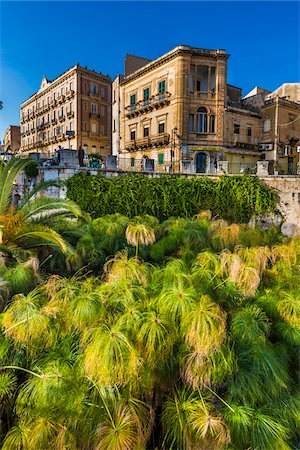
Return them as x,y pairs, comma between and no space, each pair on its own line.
212,124
201,120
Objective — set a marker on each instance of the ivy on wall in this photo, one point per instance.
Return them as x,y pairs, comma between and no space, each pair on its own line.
233,198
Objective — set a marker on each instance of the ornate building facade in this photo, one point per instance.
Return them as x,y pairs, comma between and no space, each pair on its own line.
71,111
177,113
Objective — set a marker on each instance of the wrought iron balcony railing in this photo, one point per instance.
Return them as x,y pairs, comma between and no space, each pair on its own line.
154,102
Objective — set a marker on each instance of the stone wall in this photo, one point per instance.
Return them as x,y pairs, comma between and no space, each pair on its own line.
288,189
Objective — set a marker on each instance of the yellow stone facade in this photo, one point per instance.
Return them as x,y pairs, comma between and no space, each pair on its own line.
174,111
77,101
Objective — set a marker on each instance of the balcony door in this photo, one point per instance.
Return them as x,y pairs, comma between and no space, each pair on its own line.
201,162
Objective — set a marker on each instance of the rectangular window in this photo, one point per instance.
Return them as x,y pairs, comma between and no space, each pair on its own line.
114,95
85,106
146,130
102,92
132,135
102,110
191,123
202,78
161,158
94,128
266,125
71,86
62,129
84,126
161,127
132,161
249,131
133,102
146,96
212,124
161,89
94,108
71,107
213,79
114,125
102,129
236,128
94,89
71,126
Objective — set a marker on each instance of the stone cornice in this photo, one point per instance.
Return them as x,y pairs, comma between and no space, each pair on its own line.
244,112
97,76
180,50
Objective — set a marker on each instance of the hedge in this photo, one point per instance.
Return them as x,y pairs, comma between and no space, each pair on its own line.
235,198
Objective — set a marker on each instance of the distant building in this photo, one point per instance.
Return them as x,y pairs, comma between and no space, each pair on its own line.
12,139
280,126
73,110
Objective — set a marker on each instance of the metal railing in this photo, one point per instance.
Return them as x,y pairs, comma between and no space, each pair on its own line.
150,103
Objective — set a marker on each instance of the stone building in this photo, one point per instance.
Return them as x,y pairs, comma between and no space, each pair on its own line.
280,128
178,113
12,139
73,110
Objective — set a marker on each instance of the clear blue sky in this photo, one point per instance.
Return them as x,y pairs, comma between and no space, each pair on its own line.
40,38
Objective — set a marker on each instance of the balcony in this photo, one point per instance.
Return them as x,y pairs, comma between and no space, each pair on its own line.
94,95
47,124
32,130
54,121
32,115
60,98
203,95
39,111
247,142
53,103
70,114
94,115
25,118
95,136
70,94
53,139
40,127
61,118
61,137
155,102
148,142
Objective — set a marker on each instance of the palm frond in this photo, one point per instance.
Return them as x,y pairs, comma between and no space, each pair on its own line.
8,173
37,235
41,208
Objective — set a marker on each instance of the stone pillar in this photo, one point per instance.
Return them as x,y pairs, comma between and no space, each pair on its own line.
262,168
222,167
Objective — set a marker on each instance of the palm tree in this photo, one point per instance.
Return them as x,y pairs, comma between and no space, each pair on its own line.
25,227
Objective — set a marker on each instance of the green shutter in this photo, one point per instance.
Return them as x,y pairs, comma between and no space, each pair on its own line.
133,99
132,162
162,87
161,158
